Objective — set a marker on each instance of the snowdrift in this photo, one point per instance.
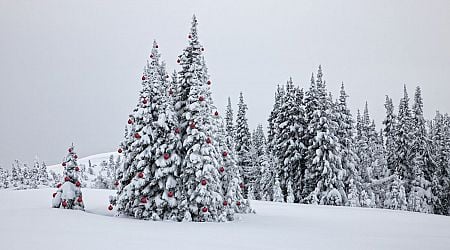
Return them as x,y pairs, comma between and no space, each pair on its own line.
27,221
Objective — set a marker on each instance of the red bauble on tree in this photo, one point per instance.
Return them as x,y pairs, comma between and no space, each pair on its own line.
201,98
67,178
143,78
221,169
225,203
208,82
116,183
64,164
204,182
170,194
58,185
208,140
119,150
110,207
203,49
77,184
204,209
241,185
70,150
192,125
238,203
75,156
144,200
54,194
130,121
189,36
64,203
137,136
80,199
156,46
177,130
166,156
178,61
225,153
141,175
144,101
77,168
170,92
216,113
151,56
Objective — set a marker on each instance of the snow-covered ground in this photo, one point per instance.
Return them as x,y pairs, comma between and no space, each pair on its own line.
27,222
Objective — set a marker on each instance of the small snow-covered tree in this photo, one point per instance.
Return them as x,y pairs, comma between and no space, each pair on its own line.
277,193
68,195
396,198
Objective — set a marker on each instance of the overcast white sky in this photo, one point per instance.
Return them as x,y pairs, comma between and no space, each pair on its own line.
70,70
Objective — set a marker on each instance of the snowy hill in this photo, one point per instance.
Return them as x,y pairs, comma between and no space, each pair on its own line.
28,222
98,162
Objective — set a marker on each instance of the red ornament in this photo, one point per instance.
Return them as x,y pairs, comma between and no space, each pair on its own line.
204,209
167,76
170,92
151,56
216,113
58,185
143,78
221,169
75,156
54,194
156,46
208,140
241,185
170,194
77,168
64,203
110,207
119,150
144,101
130,121
137,136
141,175
144,200
178,61
189,36
203,49
80,199
225,203
208,82
166,156
177,130
238,203
70,150
192,125
64,164
67,178
225,153
201,98
116,183
203,182
77,184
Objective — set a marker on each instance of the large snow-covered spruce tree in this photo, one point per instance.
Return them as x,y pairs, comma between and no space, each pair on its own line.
148,186
323,175
68,195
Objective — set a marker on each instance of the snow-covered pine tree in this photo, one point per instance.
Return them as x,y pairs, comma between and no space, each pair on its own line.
243,144
202,194
440,185
323,174
68,195
4,178
396,198
277,193
389,134
403,161
345,135
289,146
229,124
419,198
